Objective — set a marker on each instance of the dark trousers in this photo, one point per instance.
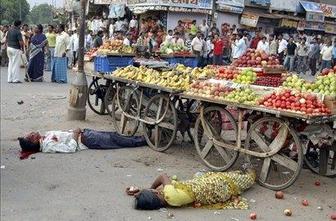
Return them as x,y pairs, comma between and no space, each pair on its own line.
218,59
74,54
93,139
312,65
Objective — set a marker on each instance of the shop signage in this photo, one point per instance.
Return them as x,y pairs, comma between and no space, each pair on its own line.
108,2
249,20
309,25
330,28
288,23
261,2
233,6
195,4
315,17
328,10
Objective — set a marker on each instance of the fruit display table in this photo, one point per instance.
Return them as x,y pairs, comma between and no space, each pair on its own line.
226,115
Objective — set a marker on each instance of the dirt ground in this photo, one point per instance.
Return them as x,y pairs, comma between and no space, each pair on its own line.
89,185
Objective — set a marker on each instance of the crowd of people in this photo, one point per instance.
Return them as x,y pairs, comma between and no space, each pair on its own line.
56,49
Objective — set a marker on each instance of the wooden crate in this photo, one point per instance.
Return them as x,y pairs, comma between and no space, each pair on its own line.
330,102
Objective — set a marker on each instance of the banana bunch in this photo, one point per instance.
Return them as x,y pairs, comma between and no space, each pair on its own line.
206,72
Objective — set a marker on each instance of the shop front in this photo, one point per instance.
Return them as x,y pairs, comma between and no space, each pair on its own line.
229,11
170,11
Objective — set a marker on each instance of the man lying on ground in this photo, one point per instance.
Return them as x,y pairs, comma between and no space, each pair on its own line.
76,140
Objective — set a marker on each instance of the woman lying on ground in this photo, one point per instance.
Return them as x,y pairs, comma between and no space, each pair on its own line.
216,190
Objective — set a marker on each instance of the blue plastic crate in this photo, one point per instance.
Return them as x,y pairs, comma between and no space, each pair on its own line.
189,62
102,64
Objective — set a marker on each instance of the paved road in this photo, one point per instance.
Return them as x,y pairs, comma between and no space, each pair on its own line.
89,185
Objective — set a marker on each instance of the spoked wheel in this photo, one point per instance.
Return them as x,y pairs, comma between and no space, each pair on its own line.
97,91
217,124
279,171
321,160
160,136
110,93
128,103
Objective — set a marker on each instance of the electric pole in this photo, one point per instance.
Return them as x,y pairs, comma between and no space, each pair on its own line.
78,89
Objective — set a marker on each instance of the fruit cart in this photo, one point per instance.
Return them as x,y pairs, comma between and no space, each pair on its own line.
159,110
272,144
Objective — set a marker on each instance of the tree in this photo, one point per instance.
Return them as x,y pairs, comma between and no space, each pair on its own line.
41,14
10,10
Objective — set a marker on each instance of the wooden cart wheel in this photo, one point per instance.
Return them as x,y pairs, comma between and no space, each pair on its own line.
97,91
129,103
221,126
111,91
159,137
282,169
321,160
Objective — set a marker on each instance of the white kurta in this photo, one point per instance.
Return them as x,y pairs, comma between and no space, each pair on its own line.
60,142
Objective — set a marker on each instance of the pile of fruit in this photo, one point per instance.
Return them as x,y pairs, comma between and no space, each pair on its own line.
90,54
295,101
169,79
169,49
327,71
227,73
203,73
325,84
257,59
269,80
115,47
246,76
244,96
208,89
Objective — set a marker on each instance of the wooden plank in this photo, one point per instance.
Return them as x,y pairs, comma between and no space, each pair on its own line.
280,138
223,153
285,161
265,169
204,153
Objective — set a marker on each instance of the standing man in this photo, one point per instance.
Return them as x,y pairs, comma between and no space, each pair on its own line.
273,45
59,69
134,23
74,46
282,47
302,52
263,45
26,35
197,46
313,55
239,46
204,28
255,40
326,54
218,50
14,52
290,54
51,36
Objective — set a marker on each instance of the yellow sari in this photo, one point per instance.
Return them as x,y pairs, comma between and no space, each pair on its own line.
211,190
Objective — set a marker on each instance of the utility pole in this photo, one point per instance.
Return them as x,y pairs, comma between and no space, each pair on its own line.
78,89
20,9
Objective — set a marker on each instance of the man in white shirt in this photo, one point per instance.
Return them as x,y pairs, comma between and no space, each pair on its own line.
59,69
282,47
97,24
74,46
127,40
88,40
239,47
197,46
177,39
133,23
118,25
326,54
169,37
263,45
112,28
76,140
204,28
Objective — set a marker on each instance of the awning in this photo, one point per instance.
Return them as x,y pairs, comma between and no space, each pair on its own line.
328,10
233,6
311,7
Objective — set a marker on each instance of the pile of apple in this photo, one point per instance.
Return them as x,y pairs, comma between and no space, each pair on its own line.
246,76
295,82
270,80
243,95
208,89
295,101
257,59
325,84
327,71
227,73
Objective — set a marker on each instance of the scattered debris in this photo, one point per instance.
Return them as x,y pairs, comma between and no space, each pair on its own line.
163,210
32,157
159,169
252,201
253,216
20,102
128,175
197,205
305,202
320,208
288,212
317,183
217,213
234,219
279,195
149,218
3,166
170,216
